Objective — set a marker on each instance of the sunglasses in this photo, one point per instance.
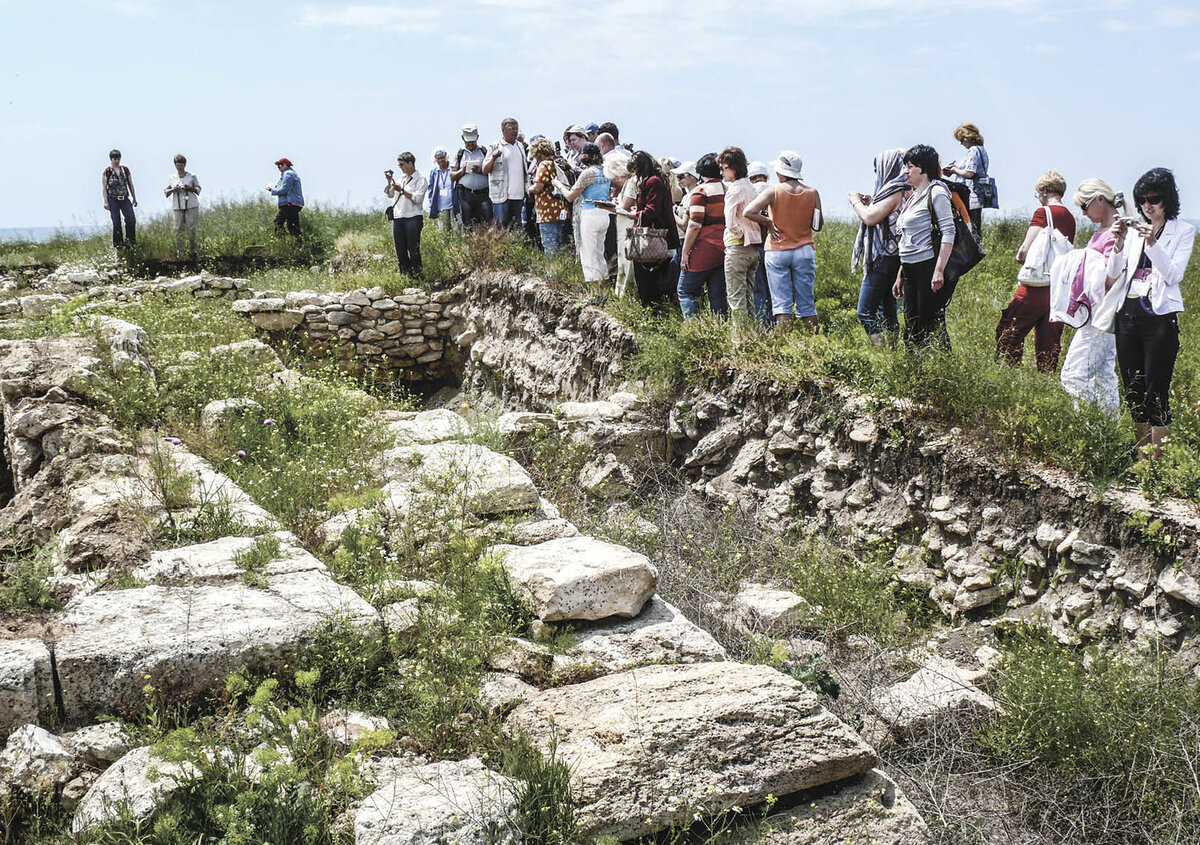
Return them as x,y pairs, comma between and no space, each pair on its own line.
1084,207
1152,200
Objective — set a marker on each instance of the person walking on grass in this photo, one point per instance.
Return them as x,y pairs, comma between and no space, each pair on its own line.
120,199
183,189
407,217
291,198
791,259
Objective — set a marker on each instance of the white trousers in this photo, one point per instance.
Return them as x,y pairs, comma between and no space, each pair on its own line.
1089,372
593,226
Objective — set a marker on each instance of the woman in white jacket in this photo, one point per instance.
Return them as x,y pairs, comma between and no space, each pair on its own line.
1149,261
1089,371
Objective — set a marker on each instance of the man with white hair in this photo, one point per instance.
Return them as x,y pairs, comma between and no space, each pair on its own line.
472,185
443,200
505,166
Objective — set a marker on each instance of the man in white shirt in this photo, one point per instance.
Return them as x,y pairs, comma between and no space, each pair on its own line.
183,189
467,172
505,166
408,217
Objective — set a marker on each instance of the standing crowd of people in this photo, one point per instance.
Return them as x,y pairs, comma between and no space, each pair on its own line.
717,233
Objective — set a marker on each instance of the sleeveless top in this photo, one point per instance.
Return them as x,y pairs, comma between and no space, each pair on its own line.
793,217
598,190
118,182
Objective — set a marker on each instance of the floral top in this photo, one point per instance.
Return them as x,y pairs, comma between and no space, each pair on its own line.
549,206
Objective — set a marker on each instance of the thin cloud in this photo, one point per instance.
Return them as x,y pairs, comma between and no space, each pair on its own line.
133,9
1174,16
390,18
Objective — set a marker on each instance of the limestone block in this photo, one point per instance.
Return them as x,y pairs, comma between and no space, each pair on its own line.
137,784
607,478
1180,585
602,410
762,608
26,689
868,808
541,530
99,745
461,802
429,427
501,691
277,321
215,414
485,481
708,734
938,690
579,578
35,761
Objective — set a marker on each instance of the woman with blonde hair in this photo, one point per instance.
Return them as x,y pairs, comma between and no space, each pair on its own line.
1089,371
1029,308
970,171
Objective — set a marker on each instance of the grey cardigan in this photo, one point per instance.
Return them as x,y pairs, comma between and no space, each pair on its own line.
915,227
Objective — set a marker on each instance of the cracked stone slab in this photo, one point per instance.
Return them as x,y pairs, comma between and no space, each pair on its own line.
644,743
486,481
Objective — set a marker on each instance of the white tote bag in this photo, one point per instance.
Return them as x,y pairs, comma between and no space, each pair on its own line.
1049,245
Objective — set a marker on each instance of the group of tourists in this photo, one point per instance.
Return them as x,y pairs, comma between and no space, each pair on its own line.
718,233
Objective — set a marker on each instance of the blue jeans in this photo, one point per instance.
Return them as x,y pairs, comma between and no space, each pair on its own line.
406,233
116,210
762,292
791,274
508,214
691,288
551,237
876,305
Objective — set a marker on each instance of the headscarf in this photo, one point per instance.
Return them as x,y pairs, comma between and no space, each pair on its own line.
889,180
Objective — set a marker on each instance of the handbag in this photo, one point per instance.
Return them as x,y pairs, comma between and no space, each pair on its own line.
966,253
645,245
1105,316
985,186
1047,247
389,213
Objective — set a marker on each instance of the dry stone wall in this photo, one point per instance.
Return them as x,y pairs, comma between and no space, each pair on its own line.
402,337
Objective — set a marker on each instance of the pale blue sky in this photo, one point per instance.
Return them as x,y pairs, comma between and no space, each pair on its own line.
1102,88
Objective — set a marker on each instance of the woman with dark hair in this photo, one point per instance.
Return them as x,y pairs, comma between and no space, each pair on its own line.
702,259
652,209
592,189
743,238
407,216
922,280
971,170
1149,260
877,246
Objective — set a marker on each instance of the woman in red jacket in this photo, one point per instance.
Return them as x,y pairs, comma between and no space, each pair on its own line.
653,210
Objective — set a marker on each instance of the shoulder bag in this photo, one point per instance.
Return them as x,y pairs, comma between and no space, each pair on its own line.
1046,248
966,253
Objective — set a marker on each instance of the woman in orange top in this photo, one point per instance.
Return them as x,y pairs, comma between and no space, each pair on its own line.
790,258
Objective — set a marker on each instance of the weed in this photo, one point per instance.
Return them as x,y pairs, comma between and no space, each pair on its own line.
254,561
26,583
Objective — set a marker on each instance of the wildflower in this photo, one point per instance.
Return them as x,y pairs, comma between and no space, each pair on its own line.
175,441
241,453
268,421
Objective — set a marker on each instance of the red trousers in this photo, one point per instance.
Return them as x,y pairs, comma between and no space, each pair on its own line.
1029,309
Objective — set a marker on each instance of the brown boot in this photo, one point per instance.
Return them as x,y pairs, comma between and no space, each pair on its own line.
811,323
783,323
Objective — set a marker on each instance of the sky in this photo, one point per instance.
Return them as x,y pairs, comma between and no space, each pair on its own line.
1102,88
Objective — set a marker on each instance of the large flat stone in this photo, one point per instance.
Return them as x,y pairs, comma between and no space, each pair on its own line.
216,559
938,690
460,802
485,481
643,744
189,635
25,684
579,578
659,634
868,808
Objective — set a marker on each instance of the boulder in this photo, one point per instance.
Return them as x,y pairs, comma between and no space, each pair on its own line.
401,616
760,608
429,427
190,634
215,414
601,410
100,745
136,784
127,342
607,478
1180,585
868,808
938,690
646,743
277,321
35,761
250,353
659,634
501,691
525,424
26,689
484,481
541,530
450,801
579,578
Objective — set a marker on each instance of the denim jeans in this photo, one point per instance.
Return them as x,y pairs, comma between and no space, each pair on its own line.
691,288
508,214
476,207
406,233
876,305
791,274
116,210
551,237
762,292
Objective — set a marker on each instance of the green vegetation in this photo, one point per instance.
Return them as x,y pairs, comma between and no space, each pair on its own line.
25,575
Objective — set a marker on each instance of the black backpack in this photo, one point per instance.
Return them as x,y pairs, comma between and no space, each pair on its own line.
967,251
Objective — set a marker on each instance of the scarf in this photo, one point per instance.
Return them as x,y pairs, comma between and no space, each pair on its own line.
889,180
